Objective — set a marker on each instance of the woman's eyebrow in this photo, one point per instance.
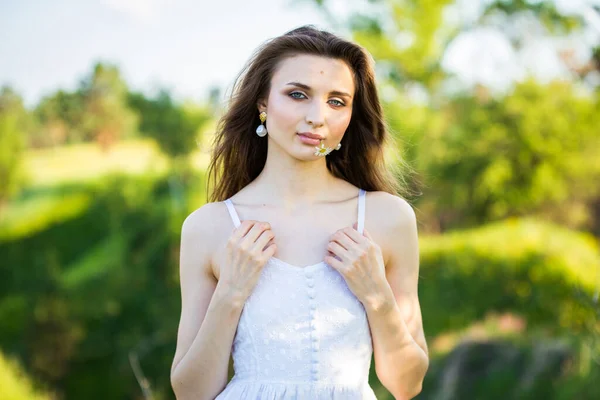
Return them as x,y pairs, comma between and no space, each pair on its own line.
306,87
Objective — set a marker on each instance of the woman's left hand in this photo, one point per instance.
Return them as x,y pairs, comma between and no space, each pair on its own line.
360,261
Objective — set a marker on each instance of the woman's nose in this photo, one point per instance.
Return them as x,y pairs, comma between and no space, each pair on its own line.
316,115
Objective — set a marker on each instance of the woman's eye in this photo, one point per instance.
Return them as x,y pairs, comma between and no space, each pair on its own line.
293,93
293,96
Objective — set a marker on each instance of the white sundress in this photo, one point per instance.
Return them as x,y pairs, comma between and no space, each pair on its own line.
302,334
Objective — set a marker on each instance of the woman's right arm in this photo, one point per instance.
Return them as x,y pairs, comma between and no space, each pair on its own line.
210,311
209,315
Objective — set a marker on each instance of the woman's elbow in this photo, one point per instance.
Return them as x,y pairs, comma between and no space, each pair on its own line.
181,390
186,389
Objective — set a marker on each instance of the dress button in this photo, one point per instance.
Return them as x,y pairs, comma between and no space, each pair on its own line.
311,294
308,274
313,306
314,339
311,284
315,361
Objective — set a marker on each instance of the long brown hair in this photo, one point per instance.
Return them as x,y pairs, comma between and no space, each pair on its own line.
239,154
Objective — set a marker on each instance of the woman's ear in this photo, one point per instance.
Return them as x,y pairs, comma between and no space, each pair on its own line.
262,105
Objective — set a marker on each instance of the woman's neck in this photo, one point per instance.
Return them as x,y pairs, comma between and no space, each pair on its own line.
294,183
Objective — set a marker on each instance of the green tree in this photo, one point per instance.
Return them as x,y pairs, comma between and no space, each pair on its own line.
106,116
177,130
60,116
409,38
175,127
13,123
534,151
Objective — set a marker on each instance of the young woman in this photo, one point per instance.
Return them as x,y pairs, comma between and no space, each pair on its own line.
305,263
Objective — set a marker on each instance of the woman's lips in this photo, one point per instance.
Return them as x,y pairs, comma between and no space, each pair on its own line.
305,139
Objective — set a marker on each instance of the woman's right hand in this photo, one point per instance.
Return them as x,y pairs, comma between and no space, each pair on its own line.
248,249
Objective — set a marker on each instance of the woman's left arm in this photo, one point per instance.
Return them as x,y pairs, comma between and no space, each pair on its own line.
389,294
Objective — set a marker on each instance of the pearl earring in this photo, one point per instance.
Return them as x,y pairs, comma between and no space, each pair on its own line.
262,130
338,146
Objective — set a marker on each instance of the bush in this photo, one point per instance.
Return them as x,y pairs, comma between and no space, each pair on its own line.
544,273
83,289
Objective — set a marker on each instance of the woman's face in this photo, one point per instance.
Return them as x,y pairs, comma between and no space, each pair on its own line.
309,94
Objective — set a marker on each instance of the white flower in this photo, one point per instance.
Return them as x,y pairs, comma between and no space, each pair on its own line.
322,150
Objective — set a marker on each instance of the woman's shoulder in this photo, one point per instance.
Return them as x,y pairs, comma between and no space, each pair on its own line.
387,207
390,219
388,215
205,230
389,201
208,224
207,218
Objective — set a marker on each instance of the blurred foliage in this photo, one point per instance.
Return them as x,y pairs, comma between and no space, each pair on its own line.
96,111
100,285
175,128
106,115
543,273
13,122
497,370
15,384
104,111
544,11
60,116
534,152
84,162
42,213
408,38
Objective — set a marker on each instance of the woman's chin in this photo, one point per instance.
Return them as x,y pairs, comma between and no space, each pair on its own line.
305,153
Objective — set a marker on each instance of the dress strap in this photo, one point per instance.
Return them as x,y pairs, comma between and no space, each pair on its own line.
232,213
361,211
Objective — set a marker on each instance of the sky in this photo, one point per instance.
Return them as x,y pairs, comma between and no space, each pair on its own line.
186,45
190,46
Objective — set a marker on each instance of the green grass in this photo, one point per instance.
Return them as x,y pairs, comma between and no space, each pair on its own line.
56,174
83,162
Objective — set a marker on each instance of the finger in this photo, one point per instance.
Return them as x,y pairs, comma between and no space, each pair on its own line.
271,242
263,240
354,235
330,254
255,232
342,239
367,234
338,250
334,262
270,250
242,230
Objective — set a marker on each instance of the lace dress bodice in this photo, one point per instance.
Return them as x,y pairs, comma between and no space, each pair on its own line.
302,334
